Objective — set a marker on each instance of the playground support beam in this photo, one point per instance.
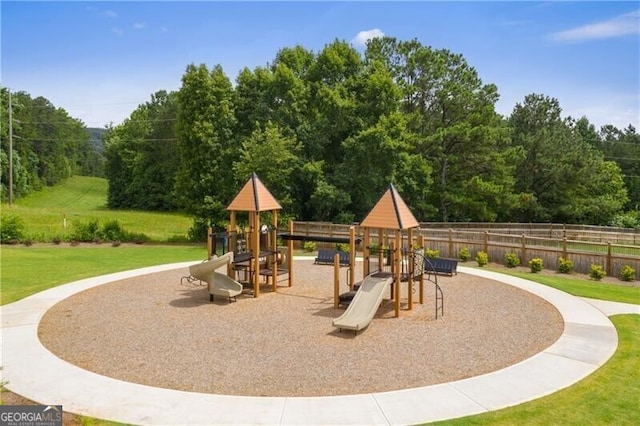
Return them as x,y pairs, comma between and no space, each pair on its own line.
233,241
365,254
352,255
274,249
410,264
396,246
421,244
254,217
290,260
336,280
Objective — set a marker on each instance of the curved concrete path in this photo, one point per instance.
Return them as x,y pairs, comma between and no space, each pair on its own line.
588,341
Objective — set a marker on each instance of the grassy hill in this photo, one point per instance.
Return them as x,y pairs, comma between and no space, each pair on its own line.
83,199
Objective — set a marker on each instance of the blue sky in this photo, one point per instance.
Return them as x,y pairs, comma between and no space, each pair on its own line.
100,60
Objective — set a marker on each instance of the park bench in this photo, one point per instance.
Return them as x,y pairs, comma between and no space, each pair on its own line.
441,265
325,257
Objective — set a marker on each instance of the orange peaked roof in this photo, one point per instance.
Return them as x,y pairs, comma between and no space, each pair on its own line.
390,212
254,197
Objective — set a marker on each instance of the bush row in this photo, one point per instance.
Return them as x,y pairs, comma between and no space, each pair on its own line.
12,231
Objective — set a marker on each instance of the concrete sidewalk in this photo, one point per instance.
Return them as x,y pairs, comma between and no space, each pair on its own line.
588,341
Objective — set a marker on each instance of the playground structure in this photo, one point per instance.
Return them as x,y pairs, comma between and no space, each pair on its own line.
390,217
404,264
255,199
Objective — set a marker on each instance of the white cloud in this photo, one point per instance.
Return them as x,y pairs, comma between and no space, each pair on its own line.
363,36
110,14
164,29
139,25
117,31
626,24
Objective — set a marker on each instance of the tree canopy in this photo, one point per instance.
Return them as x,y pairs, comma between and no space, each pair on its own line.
327,132
48,145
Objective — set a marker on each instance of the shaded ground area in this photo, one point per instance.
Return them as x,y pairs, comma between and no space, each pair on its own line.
153,330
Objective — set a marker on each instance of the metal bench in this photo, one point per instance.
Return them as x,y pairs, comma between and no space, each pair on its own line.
325,257
441,265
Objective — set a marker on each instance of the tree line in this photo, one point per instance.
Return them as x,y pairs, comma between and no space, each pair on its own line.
328,131
48,145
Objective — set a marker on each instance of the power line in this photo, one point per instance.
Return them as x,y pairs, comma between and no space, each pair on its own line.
156,120
84,140
52,106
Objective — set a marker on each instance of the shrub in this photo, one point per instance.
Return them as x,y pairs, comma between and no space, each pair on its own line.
464,254
512,260
86,232
112,231
627,273
629,219
565,266
309,246
198,231
28,242
11,229
596,272
482,258
433,254
536,265
343,247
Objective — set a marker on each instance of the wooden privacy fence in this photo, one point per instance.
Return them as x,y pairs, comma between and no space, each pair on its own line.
582,245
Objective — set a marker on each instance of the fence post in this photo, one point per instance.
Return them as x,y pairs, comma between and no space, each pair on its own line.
451,243
486,242
564,247
609,265
336,281
524,249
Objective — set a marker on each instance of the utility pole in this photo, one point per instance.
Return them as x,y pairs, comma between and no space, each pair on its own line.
10,151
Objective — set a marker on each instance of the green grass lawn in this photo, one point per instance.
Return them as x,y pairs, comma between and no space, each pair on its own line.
28,270
580,287
609,396
83,199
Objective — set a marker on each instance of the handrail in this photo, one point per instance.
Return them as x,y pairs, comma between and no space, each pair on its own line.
439,295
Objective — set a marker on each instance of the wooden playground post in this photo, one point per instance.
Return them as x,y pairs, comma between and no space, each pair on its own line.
352,255
254,217
366,254
274,250
233,242
397,270
421,244
381,243
290,247
410,266
336,280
